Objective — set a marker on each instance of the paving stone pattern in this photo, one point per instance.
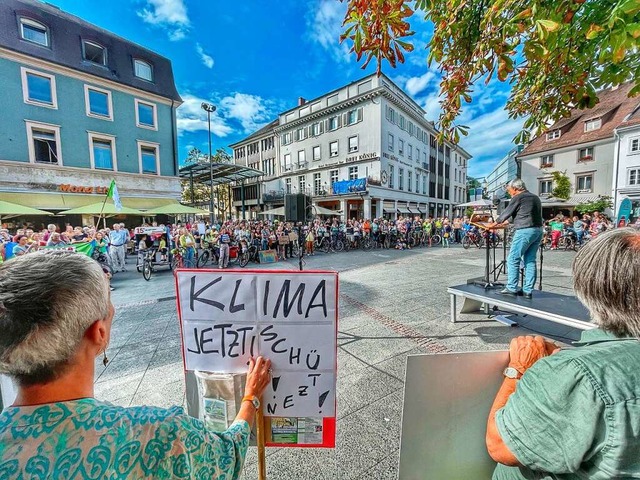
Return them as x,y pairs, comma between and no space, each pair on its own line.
392,304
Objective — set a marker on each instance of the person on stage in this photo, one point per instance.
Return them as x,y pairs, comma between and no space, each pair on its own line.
526,211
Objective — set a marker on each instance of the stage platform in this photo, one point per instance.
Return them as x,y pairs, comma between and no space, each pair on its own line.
557,308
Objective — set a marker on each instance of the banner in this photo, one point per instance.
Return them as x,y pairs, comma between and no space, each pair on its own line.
349,186
86,248
289,317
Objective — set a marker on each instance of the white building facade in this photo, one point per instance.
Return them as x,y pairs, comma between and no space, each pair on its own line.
364,150
626,184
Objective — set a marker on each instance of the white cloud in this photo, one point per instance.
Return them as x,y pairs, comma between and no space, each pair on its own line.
251,111
207,60
325,26
190,117
169,14
415,85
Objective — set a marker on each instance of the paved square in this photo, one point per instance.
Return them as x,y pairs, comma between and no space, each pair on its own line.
392,304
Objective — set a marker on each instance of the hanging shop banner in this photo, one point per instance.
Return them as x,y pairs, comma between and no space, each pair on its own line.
289,317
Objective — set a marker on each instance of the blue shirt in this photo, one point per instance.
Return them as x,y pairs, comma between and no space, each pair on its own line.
224,238
86,438
118,237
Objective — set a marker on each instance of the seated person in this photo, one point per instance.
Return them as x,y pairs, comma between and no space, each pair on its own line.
575,413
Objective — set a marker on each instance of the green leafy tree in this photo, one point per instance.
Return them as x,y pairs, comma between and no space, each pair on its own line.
554,54
600,204
561,185
201,192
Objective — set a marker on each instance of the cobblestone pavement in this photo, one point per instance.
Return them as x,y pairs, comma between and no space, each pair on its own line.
392,304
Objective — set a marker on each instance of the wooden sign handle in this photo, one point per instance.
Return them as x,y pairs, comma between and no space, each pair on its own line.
262,463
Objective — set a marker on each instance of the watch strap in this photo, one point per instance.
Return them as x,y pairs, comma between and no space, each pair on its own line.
253,399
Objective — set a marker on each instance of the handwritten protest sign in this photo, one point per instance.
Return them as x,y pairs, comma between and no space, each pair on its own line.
290,317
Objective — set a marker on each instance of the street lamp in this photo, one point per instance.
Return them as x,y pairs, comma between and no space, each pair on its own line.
209,108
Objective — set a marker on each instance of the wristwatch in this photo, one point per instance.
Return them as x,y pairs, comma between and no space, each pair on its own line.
511,372
255,401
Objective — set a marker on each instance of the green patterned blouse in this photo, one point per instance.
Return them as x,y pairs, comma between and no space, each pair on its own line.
88,439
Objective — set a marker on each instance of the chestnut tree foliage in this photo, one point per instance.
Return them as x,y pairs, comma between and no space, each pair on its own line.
555,54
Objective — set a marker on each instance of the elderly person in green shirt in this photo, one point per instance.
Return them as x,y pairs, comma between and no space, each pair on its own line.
575,413
55,319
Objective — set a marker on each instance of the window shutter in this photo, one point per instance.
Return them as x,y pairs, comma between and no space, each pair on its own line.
321,127
326,124
360,114
344,119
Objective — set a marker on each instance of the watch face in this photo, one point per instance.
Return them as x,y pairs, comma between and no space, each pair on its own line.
256,403
511,372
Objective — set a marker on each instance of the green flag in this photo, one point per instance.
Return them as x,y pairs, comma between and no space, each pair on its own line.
114,195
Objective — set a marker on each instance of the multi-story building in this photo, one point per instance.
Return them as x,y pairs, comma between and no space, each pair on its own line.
82,106
626,181
364,150
582,147
505,171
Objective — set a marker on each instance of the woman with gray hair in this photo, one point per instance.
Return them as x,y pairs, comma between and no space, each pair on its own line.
55,319
575,413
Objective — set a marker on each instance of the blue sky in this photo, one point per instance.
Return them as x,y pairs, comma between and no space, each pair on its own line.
253,60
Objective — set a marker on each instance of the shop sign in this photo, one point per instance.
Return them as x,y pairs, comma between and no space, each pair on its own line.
362,156
390,157
67,187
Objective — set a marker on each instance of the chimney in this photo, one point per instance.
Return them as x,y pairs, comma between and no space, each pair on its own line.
301,101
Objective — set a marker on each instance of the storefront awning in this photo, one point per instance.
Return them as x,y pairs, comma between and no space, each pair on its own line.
67,201
387,210
404,210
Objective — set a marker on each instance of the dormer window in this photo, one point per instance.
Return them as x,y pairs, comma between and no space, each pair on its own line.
143,70
34,32
593,124
94,53
553,134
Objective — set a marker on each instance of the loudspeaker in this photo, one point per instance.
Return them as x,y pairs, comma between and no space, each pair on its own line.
296,207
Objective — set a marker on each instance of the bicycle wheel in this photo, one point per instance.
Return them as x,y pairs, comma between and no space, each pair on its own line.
324,245
176,262
466,243
367,244
146,270
244,259
436,239
203,259
339,245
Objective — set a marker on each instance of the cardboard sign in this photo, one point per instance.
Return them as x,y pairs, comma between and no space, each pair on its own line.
268,256
289,317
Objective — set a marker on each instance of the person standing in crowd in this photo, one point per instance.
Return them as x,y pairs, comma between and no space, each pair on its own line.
56,428
225,240
573,413
578,227
22,246
117,243
556,227
526,210
188,243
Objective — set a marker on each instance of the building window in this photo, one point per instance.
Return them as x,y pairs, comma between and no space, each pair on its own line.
149,158
409,151
333,177
147,115
390,143
301,158
354,116
417,182
634,145
400,146
39,88
286,138
400,178
584,183
634,176
333,149
545,187
412,129
316,152
44,143
143,70
353,143
546,161
334,123
593,124
305,110
353,173
553,134
94,53
409,181
391,115
301,134
302,184
34,32
402,122
391,176
287,161
287,185
102,151
424,184
417,155
98,103
585,154
317,184
316,129
332,100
